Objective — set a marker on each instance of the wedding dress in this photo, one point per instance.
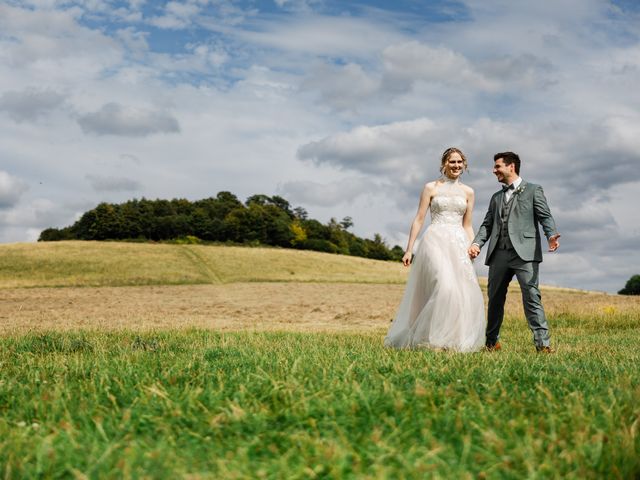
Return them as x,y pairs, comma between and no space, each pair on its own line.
442,306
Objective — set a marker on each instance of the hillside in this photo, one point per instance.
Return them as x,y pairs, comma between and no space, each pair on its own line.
81,263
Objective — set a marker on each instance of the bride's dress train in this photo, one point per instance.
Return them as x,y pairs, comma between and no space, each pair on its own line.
442,306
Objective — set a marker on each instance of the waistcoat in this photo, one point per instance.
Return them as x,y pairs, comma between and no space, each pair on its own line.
503,239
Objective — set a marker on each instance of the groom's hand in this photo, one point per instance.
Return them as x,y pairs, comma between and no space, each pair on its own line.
474,251
554,243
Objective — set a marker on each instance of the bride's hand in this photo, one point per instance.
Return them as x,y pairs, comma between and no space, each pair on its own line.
406,259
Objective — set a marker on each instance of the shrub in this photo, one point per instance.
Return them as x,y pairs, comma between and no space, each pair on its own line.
632,287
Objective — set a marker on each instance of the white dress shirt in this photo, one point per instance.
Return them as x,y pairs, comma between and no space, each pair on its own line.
508,193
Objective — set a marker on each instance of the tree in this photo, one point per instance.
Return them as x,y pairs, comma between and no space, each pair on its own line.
346,223
300,213
55,235
377,248
632,287
261,220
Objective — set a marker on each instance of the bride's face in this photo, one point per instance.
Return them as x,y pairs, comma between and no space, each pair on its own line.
454,166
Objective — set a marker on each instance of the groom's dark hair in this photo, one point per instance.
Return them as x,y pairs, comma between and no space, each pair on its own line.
509,158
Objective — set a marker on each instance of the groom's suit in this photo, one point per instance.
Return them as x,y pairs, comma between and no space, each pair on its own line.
511,228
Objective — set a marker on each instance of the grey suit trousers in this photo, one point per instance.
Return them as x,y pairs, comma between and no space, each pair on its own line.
504,264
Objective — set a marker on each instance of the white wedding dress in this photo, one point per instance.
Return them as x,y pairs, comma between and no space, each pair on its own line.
442,306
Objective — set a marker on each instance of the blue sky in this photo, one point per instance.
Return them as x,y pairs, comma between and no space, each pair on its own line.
341,107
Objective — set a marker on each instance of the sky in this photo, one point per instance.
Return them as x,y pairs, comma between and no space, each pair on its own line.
341,107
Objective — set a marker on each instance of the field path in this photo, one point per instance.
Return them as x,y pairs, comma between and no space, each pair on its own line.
200,263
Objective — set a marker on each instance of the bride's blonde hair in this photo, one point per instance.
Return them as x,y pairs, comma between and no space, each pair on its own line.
445,158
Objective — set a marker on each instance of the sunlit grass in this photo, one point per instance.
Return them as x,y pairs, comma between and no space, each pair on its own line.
96,391
294,405
76,263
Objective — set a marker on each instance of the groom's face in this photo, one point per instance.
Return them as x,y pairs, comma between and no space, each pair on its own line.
504,173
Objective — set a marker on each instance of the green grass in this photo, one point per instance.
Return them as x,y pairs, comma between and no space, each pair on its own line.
201,404
76,263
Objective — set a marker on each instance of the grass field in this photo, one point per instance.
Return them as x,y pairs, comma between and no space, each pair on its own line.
256,379
75,263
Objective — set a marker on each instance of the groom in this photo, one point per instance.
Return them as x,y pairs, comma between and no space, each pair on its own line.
511,227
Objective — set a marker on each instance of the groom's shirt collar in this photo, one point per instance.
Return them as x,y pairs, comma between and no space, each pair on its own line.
515,184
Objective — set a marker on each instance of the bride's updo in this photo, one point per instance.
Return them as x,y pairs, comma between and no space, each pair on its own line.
445,158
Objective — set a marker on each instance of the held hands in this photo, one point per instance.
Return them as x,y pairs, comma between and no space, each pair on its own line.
474,251
406,259
553,242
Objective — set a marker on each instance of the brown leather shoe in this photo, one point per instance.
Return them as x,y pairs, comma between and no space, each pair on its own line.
493,348
546,349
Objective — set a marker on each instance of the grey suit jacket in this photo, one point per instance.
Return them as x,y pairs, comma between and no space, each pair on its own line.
529,208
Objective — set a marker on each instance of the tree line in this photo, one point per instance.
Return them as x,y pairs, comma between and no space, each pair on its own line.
260,220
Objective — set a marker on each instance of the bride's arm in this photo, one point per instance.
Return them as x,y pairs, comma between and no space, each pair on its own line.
418,221
467,220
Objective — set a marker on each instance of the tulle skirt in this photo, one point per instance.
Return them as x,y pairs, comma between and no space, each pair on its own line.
442,306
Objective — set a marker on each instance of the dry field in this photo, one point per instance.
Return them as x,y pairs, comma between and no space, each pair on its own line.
252,306
111,286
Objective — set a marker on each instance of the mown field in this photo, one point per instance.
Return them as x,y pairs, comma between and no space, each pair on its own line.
244,372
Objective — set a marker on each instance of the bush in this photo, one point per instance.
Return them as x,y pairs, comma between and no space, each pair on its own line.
187,240
632,287
320,245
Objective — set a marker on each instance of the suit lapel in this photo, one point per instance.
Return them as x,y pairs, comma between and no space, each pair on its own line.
498,206
516,196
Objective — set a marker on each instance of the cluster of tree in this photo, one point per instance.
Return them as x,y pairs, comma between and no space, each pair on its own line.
260,220
632,287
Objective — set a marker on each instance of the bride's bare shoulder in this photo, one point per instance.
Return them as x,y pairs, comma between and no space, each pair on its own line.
466,188
430,187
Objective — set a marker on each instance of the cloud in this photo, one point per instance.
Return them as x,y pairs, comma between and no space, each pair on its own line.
116,119
49,43
101,183
298,5
25,221
341,87
413,61
30,104
177,15
333,36
327,194
11,189
379,149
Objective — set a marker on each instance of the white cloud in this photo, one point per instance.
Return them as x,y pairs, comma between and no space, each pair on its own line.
318,35
116,119
50,44
11,189
377,150
176,15
327,194
411,62
341,87
101,183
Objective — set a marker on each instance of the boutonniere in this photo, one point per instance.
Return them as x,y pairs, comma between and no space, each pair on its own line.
518,190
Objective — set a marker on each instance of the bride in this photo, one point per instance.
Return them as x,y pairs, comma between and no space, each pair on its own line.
442,306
